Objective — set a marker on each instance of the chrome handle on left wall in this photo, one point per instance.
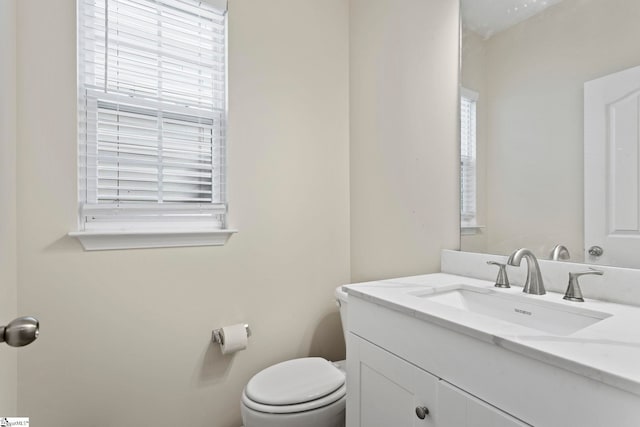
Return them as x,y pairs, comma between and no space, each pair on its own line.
20,332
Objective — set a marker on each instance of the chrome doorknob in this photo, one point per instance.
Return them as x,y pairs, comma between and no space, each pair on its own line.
422,411
596,251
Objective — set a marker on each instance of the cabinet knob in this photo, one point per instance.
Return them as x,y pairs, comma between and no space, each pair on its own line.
422,411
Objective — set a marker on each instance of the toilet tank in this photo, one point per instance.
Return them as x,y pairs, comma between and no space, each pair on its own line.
341,300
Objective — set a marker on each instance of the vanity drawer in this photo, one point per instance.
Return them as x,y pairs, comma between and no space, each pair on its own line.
457,408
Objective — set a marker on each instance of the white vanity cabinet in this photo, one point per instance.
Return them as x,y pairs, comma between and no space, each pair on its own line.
392,392
386,389
398,361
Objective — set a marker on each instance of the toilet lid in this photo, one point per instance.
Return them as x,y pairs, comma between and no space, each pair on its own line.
295,381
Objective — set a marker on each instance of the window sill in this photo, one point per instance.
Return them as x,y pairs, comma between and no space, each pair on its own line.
470,230
143,239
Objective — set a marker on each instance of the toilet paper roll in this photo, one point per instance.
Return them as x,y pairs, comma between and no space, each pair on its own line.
234,338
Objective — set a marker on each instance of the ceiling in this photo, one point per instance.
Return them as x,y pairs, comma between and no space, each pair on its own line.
488,17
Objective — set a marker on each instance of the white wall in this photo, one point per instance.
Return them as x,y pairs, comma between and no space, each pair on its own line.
535,75
125,334
8,277
404,155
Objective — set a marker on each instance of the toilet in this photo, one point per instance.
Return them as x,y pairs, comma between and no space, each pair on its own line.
307,392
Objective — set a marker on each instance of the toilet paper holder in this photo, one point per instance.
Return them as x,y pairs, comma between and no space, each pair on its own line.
218,337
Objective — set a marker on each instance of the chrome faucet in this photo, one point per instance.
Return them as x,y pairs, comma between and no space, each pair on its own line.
533,284
560,253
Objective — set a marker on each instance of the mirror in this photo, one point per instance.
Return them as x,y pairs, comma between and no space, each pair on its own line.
524,68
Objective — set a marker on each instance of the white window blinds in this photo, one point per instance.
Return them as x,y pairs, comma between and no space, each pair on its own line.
468,184
152,106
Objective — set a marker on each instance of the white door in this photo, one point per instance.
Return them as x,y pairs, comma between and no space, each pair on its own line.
611,169
386,391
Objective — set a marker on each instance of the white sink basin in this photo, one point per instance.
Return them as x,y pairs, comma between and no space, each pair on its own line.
545,316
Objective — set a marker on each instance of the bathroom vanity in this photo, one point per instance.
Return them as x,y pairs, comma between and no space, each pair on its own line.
447,350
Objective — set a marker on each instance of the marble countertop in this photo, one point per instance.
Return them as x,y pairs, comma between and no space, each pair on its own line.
607,351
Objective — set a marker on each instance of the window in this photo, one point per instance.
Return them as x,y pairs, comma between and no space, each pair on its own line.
152,119
468,203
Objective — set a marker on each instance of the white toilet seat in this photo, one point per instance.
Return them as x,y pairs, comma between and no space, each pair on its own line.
300,407
295,386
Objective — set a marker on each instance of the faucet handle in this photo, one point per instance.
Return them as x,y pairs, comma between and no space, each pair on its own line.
574,293
502,281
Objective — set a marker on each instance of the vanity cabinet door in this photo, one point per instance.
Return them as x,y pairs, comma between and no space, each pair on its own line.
386,391
459,409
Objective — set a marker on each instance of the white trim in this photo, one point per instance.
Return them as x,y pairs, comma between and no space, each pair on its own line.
153,208
220,5
469,94
469,230
117,239
142,104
